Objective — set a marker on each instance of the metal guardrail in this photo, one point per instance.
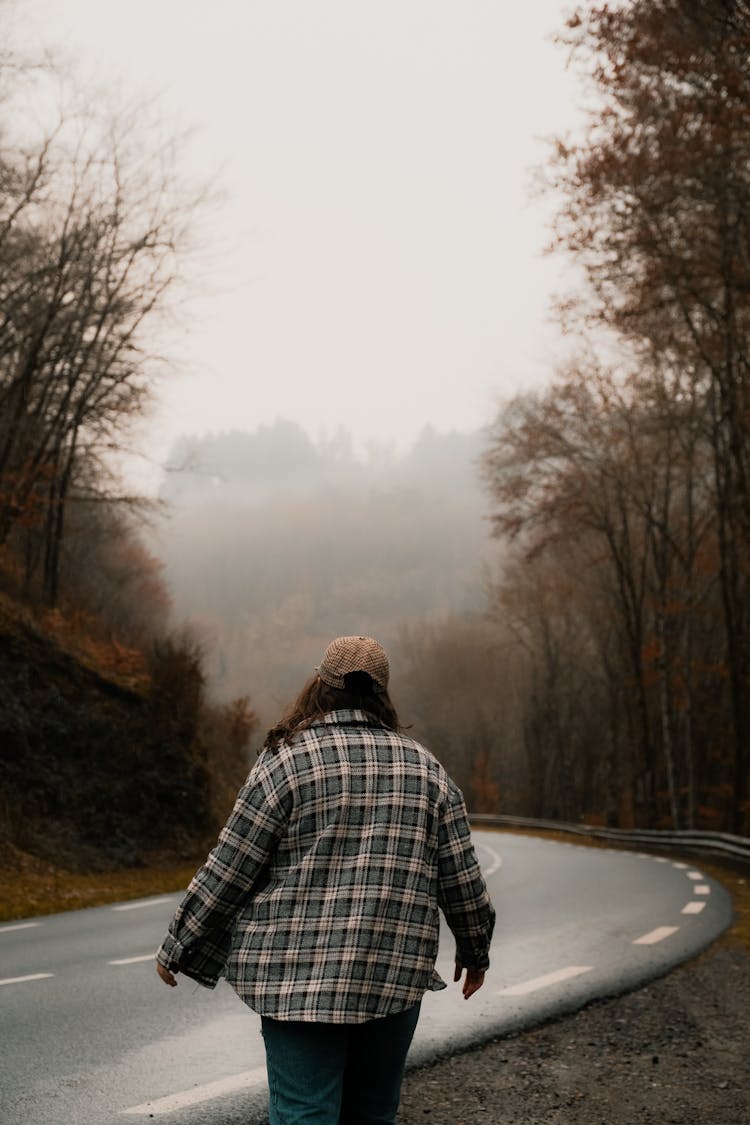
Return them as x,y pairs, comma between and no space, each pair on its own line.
737,847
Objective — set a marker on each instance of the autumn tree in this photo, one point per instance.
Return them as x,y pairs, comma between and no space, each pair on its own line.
604,483
457,687
110,576
570,758
656,213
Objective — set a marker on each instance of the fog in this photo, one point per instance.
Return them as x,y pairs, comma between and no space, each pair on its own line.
273,544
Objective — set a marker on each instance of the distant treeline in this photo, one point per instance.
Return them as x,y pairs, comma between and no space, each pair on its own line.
274,544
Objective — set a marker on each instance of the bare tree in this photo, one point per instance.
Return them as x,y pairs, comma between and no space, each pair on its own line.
457,685
92,231
610,478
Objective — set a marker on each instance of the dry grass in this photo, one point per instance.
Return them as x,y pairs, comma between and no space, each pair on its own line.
30,886
737,882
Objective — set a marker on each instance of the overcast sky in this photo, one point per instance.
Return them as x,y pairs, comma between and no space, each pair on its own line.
380,261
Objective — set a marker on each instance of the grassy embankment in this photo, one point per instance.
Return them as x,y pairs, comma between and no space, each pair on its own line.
31,886
108,775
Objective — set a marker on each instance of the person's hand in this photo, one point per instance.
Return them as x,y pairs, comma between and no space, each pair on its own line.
165,975
473,980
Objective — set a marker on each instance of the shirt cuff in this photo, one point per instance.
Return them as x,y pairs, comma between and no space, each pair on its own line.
469,958
170,953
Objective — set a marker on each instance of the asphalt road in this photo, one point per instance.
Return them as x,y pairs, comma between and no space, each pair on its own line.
90,1036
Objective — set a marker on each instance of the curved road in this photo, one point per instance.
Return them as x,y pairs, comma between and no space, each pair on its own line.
92,1037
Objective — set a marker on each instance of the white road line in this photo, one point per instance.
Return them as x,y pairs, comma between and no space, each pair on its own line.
18,926
22,980
198,1094
142,902
134,960
701,889
681,866
656,935
693,908
694,875
496,860
543,982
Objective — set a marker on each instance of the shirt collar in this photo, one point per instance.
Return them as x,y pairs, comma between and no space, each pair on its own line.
344,715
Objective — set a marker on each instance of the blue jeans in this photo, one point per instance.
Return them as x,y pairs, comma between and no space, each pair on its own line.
337,1074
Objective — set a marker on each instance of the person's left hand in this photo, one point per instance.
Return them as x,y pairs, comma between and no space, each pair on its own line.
166,975
473,980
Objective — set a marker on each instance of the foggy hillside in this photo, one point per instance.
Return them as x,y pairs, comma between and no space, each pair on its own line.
273,544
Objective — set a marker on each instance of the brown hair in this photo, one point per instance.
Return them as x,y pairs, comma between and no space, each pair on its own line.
317,699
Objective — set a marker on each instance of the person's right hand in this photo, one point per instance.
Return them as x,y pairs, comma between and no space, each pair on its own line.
473,980
166,975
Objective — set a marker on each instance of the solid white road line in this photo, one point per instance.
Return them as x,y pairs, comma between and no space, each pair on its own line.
543,982
18,926
656,935
701,889
495,860
142,902
134,960
198,1094
693,908
22,980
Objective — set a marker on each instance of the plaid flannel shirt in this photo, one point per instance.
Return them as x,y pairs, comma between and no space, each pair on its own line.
320,900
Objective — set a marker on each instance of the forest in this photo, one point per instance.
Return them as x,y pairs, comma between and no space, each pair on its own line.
625,485
565,594
606,674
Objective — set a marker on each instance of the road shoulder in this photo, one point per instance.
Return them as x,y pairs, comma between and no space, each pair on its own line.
673,1051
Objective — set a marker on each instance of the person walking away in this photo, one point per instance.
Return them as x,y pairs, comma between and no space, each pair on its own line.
319,902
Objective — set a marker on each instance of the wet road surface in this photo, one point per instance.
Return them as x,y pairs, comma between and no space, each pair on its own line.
90,1036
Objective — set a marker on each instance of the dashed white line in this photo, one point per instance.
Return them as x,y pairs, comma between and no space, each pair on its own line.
659,934
141,903
18,926
701,889
22,980
693,907
198,1094
681,866
133,960
694,875
543,982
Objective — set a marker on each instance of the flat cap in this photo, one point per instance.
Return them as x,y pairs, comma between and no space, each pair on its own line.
354,654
